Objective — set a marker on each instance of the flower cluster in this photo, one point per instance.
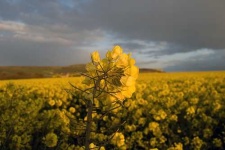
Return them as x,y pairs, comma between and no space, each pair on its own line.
118,139
114,75
51,139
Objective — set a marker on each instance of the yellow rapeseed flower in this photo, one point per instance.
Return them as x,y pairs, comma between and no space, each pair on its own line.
51,102
72,109
114,75
51,139
117,50
127,80
95,57
122,61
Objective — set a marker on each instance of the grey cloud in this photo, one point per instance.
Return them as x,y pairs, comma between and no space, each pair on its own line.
45,12
142,63
154,49
131,46
56,31
197,24
211,62
20,52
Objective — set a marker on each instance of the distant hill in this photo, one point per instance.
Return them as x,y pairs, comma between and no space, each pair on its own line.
143,70
26,72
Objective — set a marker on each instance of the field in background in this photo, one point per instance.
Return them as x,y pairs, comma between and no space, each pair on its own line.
167,111
29,72
143,76
25,72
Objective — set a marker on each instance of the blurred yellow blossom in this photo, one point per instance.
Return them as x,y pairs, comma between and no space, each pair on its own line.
118,139
117,50
114,75
95,57
51,139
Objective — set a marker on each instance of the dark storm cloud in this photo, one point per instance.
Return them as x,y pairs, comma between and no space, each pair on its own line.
146,27
131,46
46,12
39,33
32,53
213,61
154,49
196,24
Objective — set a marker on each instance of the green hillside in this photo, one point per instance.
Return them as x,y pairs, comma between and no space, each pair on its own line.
26,72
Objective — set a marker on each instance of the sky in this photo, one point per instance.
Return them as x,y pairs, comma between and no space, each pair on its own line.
173,35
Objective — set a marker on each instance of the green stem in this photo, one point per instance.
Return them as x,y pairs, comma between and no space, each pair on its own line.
88,127
89,115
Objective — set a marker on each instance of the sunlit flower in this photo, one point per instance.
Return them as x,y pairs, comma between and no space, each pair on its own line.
95,57
51,139
114,75
51,102
177,146
72,109
118,139
190,110
117,50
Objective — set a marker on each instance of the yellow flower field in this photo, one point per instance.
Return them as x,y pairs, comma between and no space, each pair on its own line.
167,111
